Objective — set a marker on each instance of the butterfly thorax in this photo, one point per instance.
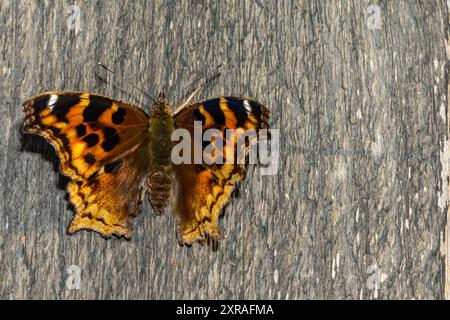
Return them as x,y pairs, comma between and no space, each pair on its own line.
159,179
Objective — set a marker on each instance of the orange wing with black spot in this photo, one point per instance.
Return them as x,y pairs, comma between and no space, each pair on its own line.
203,190
101,144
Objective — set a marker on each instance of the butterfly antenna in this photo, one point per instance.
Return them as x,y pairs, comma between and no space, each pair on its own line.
127,81
211,74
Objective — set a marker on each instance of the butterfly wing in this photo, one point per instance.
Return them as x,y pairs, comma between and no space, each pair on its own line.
101,144
109,199
203,190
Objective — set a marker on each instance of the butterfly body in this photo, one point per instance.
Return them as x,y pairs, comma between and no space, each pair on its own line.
116,154
159,179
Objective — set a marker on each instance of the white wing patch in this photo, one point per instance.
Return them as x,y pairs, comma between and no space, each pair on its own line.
247,106
52,100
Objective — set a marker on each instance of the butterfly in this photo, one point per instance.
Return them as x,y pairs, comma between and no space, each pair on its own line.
115,155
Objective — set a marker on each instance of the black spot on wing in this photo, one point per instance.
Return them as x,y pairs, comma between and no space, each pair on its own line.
41,102
97,105
119,116
89,159
256,109
237,106
211,103
213,107
81,130
111,138
110,167
91,139
198,115
63,104
90,216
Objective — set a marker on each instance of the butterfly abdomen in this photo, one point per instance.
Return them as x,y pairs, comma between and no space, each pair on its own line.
159,179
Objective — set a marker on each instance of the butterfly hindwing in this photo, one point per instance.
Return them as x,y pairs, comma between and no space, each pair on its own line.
107,201
204,189
101,145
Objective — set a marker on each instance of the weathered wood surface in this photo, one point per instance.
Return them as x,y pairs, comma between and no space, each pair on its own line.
362,110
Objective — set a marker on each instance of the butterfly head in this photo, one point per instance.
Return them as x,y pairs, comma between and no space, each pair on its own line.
161,105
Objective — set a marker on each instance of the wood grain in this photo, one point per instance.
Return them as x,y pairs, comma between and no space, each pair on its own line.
361,191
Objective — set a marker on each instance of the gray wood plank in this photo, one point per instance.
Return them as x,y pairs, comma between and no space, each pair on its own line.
362,114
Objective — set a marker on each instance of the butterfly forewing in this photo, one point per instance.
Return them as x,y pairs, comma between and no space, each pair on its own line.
87,130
